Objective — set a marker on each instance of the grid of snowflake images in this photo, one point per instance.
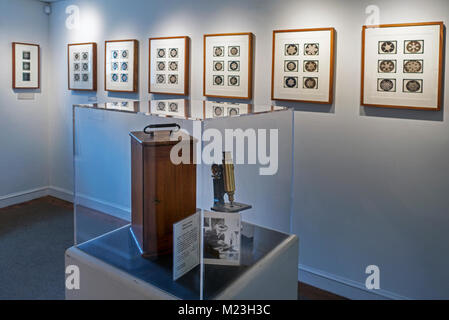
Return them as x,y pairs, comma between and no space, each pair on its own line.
301,72
26,66
120,66
81,66
226,66
390,66
167,66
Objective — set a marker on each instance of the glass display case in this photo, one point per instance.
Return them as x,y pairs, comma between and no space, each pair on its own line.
186,196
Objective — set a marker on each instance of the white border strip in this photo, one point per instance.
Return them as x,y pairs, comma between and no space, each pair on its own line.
342,286
60,193
24,196
63,194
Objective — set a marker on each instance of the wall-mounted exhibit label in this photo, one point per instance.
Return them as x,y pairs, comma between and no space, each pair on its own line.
186,245
25,96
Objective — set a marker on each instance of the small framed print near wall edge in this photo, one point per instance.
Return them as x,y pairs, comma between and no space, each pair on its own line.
25,66
121,65
402,66
169,65
228,65
303,65
82,66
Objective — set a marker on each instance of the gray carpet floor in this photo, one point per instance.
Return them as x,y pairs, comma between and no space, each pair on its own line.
33,239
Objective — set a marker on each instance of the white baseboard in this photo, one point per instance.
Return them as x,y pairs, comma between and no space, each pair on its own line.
28,195
342,286
67,195
60,193
23,196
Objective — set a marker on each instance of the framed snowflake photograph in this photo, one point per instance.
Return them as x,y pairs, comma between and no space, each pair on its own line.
121,65
25,66
228,60
303,65
169,65
402,66
82,66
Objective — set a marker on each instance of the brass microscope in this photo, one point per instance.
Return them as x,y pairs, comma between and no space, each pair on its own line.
224,183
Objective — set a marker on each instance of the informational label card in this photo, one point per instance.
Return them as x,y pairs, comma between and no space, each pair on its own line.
186,245
25,96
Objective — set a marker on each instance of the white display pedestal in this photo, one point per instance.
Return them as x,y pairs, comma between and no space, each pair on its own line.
274,277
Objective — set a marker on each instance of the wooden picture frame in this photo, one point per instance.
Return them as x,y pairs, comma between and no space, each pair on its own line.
429,54
32,73
119,85
242,80
322,63
182,61
90,47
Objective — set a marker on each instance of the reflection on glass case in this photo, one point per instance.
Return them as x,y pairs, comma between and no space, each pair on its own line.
148,173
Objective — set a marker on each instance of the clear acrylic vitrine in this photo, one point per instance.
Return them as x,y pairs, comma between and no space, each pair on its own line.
184,195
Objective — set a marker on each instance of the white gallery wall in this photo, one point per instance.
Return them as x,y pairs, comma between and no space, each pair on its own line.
370,184
24,126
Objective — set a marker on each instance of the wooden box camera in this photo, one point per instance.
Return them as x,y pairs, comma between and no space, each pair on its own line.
162,193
